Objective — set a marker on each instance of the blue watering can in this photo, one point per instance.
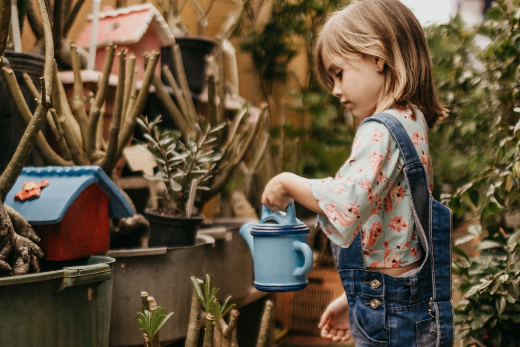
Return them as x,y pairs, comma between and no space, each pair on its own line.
281,257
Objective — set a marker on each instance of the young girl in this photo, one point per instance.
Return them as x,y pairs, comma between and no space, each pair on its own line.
373,56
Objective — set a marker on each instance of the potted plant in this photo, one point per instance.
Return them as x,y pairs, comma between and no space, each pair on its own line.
185,165
196,48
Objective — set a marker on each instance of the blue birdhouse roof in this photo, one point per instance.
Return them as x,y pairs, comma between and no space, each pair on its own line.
66,184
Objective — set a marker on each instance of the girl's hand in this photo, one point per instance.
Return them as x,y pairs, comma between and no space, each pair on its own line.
275,193
334,323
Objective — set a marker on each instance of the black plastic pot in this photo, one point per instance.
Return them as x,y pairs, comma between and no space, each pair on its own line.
13,126
194,51
172,231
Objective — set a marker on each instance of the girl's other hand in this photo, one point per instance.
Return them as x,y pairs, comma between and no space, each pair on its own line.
334,323
275,193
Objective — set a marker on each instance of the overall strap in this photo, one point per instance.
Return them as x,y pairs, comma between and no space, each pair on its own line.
414,170
433,221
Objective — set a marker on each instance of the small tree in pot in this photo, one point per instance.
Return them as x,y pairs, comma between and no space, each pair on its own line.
185,166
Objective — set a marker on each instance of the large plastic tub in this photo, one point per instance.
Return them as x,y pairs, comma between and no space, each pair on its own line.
165,274
67,307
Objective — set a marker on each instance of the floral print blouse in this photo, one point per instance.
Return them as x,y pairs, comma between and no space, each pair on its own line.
370,194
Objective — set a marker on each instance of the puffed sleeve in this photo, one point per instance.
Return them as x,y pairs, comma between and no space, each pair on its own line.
360,186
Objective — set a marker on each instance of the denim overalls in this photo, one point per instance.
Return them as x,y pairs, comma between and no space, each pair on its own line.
403,311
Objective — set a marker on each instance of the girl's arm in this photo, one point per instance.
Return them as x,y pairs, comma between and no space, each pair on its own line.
286,187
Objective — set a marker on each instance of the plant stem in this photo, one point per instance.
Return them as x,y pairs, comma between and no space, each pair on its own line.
5,23
192,336
208,331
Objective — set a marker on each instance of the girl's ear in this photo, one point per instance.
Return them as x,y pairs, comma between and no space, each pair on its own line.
380,64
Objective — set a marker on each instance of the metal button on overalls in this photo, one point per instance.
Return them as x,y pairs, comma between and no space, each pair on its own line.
374,303
375,283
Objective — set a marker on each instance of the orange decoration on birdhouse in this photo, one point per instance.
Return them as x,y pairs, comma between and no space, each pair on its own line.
30,190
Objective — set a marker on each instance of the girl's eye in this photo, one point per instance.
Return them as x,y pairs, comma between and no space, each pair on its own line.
339,74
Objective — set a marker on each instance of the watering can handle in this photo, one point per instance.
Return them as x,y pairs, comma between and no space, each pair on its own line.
288,219
304,248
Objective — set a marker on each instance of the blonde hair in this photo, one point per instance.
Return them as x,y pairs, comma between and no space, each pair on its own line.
388,30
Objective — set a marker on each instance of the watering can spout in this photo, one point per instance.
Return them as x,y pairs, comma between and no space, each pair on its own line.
245,232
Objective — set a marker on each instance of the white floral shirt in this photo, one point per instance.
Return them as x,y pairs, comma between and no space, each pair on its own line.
370,194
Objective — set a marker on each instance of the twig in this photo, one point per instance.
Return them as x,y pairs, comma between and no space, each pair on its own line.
177,92
130,87
264,325
172,110
14,168
109,160
192,336
129,125
78,102
192,117
72,16
101,93
49,156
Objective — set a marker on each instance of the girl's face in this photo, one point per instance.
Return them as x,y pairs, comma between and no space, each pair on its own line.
358,81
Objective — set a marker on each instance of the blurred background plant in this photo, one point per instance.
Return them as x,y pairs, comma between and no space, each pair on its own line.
312,124
480,175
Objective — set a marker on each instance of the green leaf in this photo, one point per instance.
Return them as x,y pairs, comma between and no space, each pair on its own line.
460,252
488,244
464,239
474,196
509,184
500,304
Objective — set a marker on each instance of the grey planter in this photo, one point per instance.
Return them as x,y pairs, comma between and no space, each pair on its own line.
165,274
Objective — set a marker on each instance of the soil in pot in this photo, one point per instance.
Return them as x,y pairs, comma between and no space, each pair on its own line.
168,230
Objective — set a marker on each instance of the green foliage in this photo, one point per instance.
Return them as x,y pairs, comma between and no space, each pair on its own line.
481,88
180,161
326,142
150,323
208,298
292,26
490,283
292,29
461,86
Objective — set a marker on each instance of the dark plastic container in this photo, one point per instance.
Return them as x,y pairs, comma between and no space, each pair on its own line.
172,231
194,51
13,125
67,307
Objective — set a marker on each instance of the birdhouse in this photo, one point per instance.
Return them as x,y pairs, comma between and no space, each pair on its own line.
69,208
139,29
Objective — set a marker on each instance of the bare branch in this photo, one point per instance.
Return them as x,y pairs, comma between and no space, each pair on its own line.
5,23
192,117
72,16
129,125
109,161
78,102
49,156
95,110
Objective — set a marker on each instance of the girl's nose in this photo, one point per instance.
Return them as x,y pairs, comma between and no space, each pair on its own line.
336,90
